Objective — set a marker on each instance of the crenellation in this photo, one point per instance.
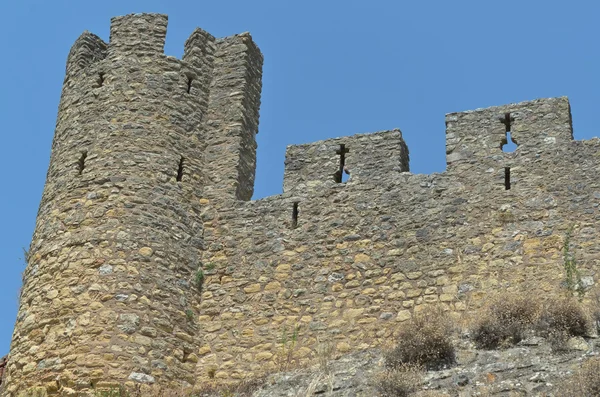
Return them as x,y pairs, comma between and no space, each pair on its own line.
87,49
478,135
232,119
150,264
139,34
199,52
366,158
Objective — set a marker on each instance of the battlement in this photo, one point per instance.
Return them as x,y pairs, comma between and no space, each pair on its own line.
138,33
87,49
359,157
479,135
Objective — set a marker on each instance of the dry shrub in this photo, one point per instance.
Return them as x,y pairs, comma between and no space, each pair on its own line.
562,319
566,315
509,316
584,382
401,381
424,341
506,320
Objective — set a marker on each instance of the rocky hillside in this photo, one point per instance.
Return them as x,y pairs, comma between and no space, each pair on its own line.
530,368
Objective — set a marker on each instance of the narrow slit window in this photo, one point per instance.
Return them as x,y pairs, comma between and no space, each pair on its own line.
81,162
180,169
189,85
508,144
506,178
295,216
339,174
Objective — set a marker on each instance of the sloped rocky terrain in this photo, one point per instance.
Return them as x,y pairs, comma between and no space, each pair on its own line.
530,368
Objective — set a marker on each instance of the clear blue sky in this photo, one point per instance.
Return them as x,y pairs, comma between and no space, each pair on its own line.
332,68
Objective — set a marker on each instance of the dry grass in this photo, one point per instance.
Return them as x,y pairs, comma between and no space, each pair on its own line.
401,381
432,393
424,341
585,382
243,389
154,391
325,353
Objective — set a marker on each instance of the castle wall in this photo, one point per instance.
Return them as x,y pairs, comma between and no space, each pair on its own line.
368,253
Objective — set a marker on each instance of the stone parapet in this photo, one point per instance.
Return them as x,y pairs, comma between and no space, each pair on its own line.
361,157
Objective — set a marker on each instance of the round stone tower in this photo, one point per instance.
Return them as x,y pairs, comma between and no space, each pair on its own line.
111,293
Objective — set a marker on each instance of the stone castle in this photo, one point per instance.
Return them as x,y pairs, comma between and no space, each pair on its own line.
150,263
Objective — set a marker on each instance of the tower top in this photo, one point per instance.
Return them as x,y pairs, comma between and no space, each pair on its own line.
142,34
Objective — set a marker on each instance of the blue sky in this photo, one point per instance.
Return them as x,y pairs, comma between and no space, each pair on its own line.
332,68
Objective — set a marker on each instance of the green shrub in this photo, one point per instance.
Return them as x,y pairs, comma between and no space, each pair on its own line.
424,341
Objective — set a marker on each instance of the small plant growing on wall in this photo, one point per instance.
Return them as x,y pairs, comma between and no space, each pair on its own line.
288,344
189,314
573,280
199,278
200,275
506,216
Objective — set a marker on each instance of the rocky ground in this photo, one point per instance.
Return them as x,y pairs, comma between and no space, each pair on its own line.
529,369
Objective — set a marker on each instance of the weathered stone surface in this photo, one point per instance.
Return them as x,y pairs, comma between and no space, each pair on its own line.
149,256
141,378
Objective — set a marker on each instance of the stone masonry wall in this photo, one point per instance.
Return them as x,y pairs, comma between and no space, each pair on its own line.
149,263
368,253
